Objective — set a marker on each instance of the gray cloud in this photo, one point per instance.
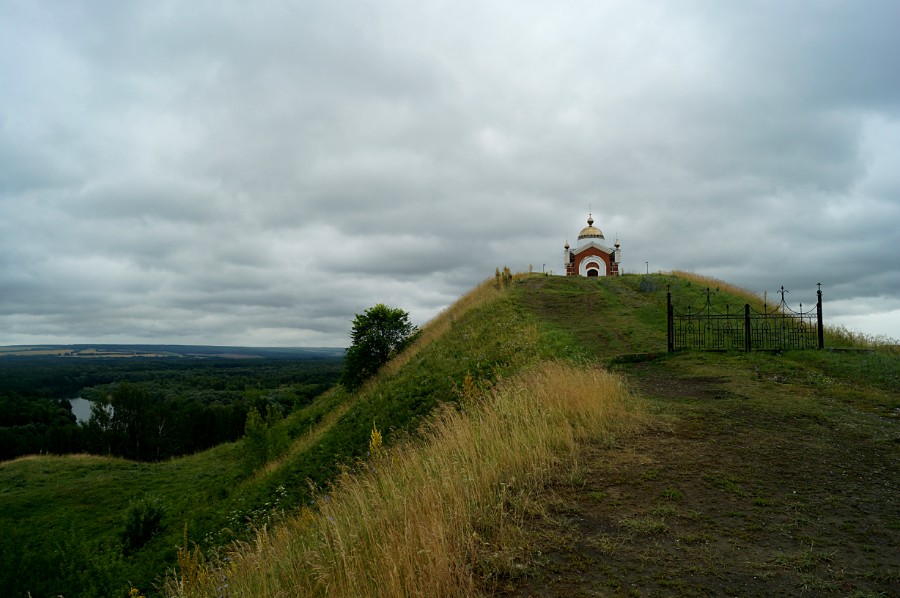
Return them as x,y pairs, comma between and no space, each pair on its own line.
225,173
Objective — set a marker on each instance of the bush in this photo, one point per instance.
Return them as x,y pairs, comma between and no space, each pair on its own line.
264,439
141,522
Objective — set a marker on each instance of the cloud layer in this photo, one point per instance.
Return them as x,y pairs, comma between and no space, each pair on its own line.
255,174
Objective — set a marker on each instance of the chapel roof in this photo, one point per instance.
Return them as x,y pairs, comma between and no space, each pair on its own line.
590,231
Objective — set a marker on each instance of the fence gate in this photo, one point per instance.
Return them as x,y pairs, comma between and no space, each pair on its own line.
778,329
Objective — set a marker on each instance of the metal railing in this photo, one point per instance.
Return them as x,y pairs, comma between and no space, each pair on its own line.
776,329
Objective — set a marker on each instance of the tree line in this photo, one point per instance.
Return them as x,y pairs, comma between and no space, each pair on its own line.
147,409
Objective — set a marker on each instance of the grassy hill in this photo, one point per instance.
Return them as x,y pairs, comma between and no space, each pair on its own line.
674,474
761,474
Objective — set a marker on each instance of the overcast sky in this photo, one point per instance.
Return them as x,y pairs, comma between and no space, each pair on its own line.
255,173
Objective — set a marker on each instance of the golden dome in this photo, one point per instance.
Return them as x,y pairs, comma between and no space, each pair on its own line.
590,231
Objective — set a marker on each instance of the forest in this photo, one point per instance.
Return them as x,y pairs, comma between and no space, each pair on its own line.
150,408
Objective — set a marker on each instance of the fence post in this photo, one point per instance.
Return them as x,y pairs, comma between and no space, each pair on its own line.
747,327
670,322
819,326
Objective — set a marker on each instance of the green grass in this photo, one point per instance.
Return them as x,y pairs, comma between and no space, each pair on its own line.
672,494
61,515
646,525
727,484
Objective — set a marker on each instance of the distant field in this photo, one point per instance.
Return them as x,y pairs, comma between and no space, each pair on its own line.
33,351
161,351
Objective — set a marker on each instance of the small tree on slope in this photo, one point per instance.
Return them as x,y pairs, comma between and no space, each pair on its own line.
378,334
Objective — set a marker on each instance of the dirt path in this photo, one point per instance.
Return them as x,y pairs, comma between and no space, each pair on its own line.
724,499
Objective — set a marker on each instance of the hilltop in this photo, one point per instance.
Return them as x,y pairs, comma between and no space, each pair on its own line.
700,473
763,474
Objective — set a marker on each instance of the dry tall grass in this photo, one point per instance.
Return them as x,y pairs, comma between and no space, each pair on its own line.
715,283
428,517
841,336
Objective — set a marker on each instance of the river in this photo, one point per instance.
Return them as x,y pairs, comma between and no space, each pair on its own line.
81,408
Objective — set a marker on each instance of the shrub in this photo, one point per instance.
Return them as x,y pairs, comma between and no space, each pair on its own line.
141,522
264,439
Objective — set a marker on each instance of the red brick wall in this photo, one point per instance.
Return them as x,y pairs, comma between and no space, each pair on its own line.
573,267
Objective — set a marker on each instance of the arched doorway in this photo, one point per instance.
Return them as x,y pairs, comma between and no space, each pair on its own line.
593,268
592,262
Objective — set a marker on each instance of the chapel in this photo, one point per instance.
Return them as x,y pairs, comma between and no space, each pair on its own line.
591,256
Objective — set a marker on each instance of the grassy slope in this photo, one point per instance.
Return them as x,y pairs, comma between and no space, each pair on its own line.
766,474
52,504
62,515
723,495
363,549
435,515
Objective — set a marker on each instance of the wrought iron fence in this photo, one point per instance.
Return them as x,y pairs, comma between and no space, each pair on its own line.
774,329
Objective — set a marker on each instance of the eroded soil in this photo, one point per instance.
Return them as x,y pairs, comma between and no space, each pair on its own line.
727,494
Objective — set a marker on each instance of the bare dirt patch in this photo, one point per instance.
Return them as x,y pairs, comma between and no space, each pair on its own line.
726,497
